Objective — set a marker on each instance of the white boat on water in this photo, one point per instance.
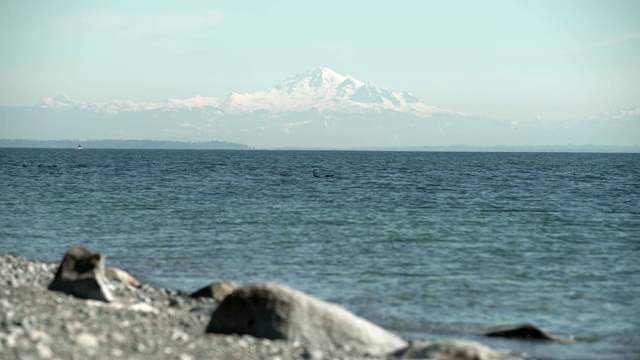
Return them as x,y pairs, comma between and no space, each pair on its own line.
79,147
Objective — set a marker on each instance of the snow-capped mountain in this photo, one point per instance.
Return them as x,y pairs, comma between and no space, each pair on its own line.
60,101
320,88
617,114
319,108
324,89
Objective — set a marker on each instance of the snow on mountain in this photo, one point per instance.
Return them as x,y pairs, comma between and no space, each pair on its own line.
319,108
320,88
316,109
634,112
324,89
117,106
58,102
618,114
194,102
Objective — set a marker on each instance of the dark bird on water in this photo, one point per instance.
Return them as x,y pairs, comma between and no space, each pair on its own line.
315,174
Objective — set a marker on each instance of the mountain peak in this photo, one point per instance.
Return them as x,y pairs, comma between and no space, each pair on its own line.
323,89
316,78
320,88
59,101
63,98
325,73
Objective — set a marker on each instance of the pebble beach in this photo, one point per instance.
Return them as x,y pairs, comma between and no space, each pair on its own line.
144,323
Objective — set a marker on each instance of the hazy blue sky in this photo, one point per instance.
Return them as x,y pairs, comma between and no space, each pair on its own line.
514,59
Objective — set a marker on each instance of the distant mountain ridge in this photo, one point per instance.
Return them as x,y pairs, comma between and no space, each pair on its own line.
320,88
320,108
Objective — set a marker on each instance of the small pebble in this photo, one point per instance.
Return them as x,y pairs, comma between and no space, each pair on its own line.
312,354
178,335
39,336
140,347
87,340
118,337
242,343
44,352
176,302
117,352
4,304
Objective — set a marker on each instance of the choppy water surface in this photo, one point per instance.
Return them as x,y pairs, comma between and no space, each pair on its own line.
440,245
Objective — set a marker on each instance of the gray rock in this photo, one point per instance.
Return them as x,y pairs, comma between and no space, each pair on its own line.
176,302
527,331
312,354
217,290
277,312
450,350
87,340
81,274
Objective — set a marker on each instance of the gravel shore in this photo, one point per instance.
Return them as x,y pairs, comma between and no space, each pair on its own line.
143,323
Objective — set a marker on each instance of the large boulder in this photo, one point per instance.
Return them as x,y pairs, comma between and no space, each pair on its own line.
217,290
449,350
275,312
81,274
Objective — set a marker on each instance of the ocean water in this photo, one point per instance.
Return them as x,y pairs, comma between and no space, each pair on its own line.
425,244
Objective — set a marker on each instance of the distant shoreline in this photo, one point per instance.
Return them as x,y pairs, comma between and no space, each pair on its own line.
122,144
223,145
491,149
